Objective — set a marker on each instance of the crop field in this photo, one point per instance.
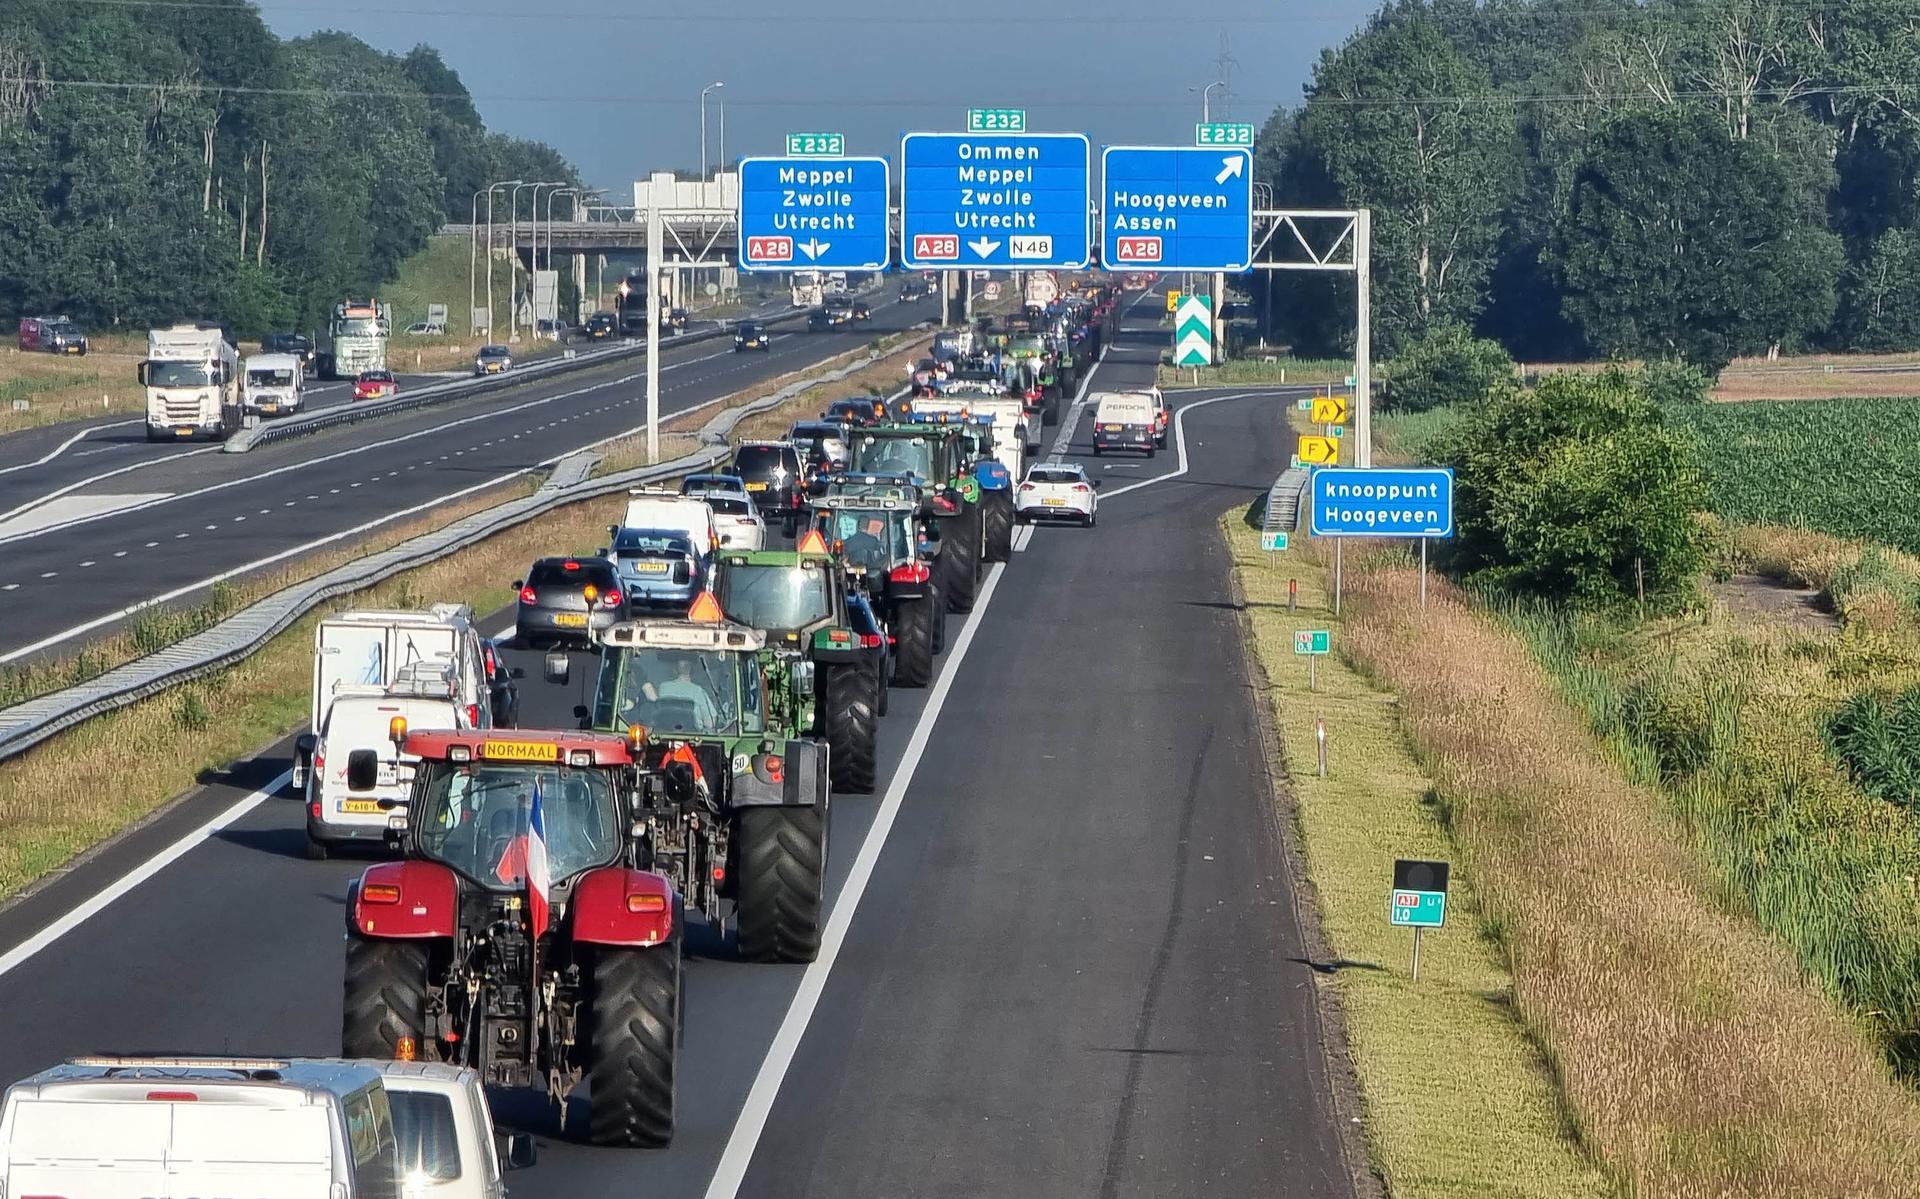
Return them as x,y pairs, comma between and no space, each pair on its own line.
1847,467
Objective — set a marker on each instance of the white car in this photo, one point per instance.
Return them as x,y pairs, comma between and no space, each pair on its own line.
735,518
444,1132
1057,491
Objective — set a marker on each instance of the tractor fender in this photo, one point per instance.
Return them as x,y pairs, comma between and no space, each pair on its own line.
802,781
992,476
825,649
603,905
428,903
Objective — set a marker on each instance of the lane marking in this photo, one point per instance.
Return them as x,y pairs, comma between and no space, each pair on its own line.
1180,440
68,443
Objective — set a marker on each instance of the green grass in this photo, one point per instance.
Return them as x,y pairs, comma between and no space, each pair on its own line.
438,275
1847,467
1242,372
1410,436
1459,1101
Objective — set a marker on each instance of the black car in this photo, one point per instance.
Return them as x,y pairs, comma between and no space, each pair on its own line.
839,311
674,319
910,291
776,478
297,344
860,311
602,326
860,411
563,599
817,321
751,335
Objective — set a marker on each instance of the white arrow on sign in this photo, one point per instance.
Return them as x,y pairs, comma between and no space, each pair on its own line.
1232,165
983,247
814,247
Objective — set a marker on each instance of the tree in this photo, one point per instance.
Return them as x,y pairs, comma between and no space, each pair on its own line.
1675,242
1883,294
1409,128
1446,365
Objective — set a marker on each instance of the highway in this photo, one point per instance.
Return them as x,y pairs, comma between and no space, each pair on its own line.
1063,956
81,544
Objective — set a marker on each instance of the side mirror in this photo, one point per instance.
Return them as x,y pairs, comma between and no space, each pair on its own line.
613,530
517,584
601,552
304,743
516,672
556,666
1097,483
580,712
726,539
141,373
515,1149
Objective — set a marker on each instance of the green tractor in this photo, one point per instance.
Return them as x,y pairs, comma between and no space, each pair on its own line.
733,792
877,537
798,598
938,460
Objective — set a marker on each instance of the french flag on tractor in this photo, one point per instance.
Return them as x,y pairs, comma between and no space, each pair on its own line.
539,874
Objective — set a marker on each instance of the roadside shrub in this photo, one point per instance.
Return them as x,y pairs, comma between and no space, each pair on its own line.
1878,742
1669,381
1445,365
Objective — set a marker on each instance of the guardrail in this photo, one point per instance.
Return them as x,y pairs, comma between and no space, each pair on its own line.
26,725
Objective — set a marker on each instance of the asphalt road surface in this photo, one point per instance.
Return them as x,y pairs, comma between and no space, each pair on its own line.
1062,960
73,560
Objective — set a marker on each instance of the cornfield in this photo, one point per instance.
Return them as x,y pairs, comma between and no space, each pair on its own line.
1848,467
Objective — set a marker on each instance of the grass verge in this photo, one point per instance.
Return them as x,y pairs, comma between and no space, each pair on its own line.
1273,369
1459,1100
1695,1056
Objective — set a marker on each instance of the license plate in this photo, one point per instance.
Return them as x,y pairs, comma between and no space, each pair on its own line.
269,407
756,487
183,432
520,751
570,620
360,807
73,349
1055,503
652,568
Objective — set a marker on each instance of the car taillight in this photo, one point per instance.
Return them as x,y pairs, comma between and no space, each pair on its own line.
912,572
529,596
173,1096
1028,487
473,715
1081,488
611,599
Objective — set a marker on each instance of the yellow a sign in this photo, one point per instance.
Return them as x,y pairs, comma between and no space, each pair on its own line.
1329,410
1173,301
1320,451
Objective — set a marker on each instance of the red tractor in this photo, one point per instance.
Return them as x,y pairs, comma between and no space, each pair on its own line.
524,933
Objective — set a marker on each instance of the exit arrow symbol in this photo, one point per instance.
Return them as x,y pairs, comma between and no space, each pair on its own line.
983,247
1231,165
814,247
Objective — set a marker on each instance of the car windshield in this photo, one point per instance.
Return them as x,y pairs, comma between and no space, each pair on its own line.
728,505
894,455
650,543
875,538
494,351
775,597
686,691
177,374
476,817
272,377
364,326
747,330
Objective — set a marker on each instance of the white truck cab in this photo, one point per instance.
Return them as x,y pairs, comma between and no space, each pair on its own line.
444,1131
136,1128
358,773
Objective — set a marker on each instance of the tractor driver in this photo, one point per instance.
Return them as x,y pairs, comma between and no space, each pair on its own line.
682,688
860,541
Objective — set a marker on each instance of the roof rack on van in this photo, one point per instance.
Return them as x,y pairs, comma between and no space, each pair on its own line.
255,1069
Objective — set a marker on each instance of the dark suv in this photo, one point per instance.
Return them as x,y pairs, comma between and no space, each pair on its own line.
297,344
776,478
562,600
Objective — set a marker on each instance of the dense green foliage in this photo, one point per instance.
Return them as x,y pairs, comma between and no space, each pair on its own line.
1444,365
182,161
1695,179
1878,742
1847,467
1575,491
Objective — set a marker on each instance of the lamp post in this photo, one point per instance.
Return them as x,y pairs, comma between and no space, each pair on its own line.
703,126
490,190
513,243
1206,99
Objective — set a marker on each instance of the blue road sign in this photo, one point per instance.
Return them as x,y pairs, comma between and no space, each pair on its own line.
1369,502
995,200
1176,208
808,214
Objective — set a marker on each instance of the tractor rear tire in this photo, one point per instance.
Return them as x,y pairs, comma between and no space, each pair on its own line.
385,997
850,722
781,880
996,519
937,607
961,555
634,1039
913,622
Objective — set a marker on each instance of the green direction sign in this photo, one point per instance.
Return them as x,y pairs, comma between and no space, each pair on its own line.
816,145
1419,909
1193,332
1273,542
996,120
1223,133
1312,641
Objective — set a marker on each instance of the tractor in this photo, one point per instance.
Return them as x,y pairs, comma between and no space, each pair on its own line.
978,441
938,462
877,537
527,931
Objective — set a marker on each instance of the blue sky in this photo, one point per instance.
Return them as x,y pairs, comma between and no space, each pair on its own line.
615,86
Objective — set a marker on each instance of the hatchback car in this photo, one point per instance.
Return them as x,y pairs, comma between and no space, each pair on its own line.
750,335
860,410
562,600
776,479
659,569
375,385
492,360
736,518
859,311
726,484
1057,491
818,321
827,438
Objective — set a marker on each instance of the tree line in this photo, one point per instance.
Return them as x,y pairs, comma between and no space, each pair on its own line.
184,162
1678,179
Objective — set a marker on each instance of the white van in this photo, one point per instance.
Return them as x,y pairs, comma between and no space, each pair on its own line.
357,765
179,1128
1123,421
272,384
444,1132
371,648
671,512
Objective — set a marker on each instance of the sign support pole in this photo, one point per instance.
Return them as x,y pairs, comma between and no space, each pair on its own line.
653,331
1363,338
1423,574
1416,952
1339,545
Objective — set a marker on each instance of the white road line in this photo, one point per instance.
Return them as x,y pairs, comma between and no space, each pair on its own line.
102,477
1180,441
1022,536
26,950
738,1155
68,443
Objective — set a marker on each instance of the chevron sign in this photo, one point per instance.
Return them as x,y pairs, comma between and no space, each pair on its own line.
1193,332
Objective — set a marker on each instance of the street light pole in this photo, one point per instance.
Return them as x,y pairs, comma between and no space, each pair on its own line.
533,252
703,126
722,164
513,259
1206,99
490,190
473,247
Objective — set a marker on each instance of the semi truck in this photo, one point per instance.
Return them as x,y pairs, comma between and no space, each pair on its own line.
192,377
354,339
